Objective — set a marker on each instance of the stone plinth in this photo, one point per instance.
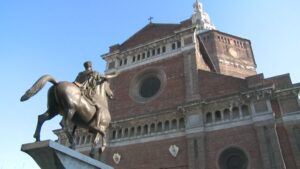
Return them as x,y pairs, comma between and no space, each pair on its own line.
51,155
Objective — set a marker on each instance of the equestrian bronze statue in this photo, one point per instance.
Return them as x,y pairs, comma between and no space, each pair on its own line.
81,103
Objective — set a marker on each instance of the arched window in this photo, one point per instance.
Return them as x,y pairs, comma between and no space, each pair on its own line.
208,118
153,52
218,116
145,130
114,134
163,49
126,132
138,57
235,113
158,51
181,123
159,126
245,110
173,46
167,125
139,130
226,113
174,124
120,133
152,128
132,131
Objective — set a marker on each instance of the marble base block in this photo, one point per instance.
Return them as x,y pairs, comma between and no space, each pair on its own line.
52,155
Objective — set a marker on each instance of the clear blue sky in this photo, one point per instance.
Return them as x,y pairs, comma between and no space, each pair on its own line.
56,37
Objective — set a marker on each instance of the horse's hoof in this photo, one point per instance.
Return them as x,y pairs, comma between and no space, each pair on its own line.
37,139
102,149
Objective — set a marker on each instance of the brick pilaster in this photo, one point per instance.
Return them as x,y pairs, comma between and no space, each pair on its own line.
196,151
191,76
269,146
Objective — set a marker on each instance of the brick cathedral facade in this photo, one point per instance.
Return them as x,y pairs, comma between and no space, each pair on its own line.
188,97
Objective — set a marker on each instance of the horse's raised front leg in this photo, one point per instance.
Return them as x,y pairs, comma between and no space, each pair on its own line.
104,144
41,119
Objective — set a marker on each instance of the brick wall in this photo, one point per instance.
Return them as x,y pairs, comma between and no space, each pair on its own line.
216,85
151,155
281,81
172,94
289,104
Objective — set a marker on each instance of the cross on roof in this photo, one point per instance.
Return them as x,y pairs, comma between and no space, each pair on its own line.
150,19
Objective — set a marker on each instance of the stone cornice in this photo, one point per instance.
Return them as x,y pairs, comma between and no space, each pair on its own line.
150,44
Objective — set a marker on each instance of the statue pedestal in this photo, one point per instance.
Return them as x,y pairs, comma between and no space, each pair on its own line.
51,155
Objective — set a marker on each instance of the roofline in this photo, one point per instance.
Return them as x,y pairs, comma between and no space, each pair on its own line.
154,41
234,36
145,27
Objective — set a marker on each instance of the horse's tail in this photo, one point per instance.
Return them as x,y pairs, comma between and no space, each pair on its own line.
37,86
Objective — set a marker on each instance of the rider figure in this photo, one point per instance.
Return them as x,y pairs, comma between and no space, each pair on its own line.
87,81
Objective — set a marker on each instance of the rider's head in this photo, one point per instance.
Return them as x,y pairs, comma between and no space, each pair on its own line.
88,65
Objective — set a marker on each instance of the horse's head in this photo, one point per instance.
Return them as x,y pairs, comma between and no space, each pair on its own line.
111,97
109,93
113,75
104,90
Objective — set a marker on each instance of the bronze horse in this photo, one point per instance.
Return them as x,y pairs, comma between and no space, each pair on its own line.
66,99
